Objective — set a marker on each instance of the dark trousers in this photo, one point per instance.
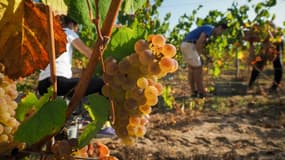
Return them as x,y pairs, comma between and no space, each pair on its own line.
65,86
277,65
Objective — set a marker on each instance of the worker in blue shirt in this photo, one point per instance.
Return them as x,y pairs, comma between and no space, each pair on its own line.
192,48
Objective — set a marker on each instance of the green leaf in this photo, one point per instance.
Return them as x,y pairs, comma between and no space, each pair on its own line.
89,132
103,9
78,10
26,104
99,108
48,120
130,6
167,97
44,99
31,102
123,40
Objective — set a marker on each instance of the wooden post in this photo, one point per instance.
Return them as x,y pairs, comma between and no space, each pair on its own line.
52,51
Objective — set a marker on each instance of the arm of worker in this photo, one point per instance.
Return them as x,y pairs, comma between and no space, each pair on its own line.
200,43
81,47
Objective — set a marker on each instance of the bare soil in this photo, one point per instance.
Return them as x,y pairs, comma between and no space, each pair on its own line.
248,126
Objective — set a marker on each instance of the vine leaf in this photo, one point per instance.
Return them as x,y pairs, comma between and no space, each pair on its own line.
31,104
99,108
23,40
78,10
123,40
26,104
48,120
130,7
57,5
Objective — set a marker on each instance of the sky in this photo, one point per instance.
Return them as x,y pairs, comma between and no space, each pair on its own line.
178,7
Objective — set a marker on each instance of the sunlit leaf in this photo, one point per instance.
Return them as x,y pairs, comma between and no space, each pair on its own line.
26,104
23,40
123,40
258,7
57,5
30,103
78,10
48,120
99,108
129,7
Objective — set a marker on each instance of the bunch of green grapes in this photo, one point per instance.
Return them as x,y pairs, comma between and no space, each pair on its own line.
8,122
132,84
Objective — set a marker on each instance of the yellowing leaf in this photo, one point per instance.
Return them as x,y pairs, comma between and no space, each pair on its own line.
24,37
57,5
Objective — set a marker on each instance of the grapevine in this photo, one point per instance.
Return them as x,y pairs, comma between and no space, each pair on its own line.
132,84
8,122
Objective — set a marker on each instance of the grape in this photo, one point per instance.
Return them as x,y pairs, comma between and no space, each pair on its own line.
8,130
112,67
158,40
124,65
154,69
144,121
146,57
12,122
11,111
3,106
151,101
140,131
3,138
156,49
128,140
145,109
131,130
150,37
8,122
128,84
169,50
159,87
166,64
4,116
11,92
1,129
150,92
119,80
134,120
13,105
174,67
134,59
130,105
106,90
2,91
140,46
135,93
107,78
142,82
132,84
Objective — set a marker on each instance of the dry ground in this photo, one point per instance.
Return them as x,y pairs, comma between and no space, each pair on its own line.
247,126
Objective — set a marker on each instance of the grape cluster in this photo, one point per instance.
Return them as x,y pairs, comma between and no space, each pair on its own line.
8,122
132,84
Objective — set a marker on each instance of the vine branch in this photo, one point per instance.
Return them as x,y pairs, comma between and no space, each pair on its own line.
82,85
97,52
